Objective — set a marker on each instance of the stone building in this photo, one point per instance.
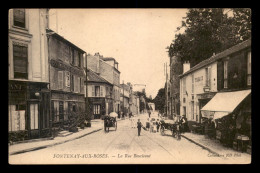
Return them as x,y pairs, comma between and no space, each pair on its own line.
67,78
28,74
124,99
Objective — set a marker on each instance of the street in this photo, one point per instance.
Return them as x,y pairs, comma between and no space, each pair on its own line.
123,146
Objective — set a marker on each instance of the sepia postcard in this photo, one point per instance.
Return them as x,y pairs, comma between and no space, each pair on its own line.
129,86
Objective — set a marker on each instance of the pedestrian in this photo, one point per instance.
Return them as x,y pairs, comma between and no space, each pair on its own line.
148,124
139,127
158,125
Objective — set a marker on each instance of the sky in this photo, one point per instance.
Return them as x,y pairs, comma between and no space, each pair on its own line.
136,38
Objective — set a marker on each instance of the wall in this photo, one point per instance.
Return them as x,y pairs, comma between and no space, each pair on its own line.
199,83
34,35
93,63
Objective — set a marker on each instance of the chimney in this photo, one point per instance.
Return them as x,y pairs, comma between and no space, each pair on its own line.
186,66
96,54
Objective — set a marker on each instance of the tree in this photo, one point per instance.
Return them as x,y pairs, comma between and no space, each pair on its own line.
209,31
159,100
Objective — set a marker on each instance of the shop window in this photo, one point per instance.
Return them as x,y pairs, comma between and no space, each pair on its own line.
55,106
225,74
34,116
96,109
19,17
66,111
16,117
249,68
20,60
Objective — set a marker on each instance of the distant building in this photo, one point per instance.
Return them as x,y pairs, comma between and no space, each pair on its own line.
124,98
99,95
107,68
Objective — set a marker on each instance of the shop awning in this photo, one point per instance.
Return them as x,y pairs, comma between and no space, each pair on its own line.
224,103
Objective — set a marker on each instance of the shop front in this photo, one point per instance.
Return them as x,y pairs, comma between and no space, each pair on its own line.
64,107
28,110
231,114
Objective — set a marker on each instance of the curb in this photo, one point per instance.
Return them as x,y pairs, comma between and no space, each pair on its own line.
202,146
51,145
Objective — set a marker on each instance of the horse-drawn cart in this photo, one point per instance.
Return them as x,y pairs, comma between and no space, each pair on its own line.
172,126
110,121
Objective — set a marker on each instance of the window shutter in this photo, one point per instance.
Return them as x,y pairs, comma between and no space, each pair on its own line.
67,79
101,91
60,79
79,84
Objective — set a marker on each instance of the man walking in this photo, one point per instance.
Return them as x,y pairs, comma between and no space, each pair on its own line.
139,127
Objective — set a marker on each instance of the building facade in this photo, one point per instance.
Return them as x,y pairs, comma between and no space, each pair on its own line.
197,87
219,88
67,78
124,99
107,68
28,91
99,95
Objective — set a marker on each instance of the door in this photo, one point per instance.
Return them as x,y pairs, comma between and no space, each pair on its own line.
61,111
33,119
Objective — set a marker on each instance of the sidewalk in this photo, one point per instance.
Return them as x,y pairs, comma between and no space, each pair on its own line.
96,125
213,146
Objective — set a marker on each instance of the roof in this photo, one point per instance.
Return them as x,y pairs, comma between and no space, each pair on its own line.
220,55
94,77
63,39
109,58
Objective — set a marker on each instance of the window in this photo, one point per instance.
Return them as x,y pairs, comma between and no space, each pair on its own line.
60,79
249,68
19,17
93,91
208,76
72,83
192,110
67,79
97,91
20,60
79,56
72,56
225,74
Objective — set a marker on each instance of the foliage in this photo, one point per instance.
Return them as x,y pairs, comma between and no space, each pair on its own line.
208,31
159,100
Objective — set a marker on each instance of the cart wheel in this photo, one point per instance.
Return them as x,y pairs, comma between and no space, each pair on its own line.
162,131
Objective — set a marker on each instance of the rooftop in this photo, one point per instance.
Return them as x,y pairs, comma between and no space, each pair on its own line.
94,77
218,56
63,39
